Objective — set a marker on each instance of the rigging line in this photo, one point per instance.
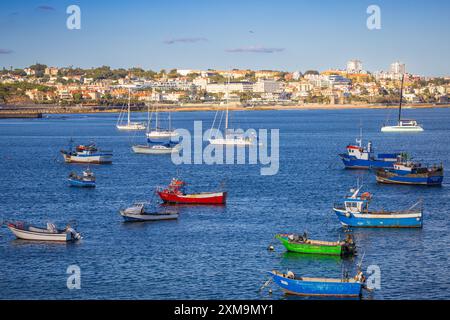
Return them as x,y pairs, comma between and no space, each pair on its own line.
214,121
220,123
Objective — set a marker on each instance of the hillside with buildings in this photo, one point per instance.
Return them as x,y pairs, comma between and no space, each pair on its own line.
103,86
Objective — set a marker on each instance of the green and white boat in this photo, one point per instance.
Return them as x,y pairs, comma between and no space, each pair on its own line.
301,244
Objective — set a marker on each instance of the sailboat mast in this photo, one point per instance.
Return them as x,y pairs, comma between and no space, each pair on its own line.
226,101
170,122
401,98
129,102
156,120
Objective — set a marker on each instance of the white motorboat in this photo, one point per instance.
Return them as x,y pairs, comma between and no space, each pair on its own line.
51,233
403,125
129,125
167,148
137,213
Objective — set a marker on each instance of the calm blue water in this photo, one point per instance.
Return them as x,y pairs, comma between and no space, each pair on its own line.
214,252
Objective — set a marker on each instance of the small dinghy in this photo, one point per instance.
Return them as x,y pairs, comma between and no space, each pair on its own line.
26,231
137,212
301,244
303,286
86,180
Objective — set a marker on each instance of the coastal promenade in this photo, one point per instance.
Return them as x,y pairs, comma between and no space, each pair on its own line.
36,111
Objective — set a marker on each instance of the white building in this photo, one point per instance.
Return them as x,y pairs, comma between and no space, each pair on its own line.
229,87
354,66
398,68
267,86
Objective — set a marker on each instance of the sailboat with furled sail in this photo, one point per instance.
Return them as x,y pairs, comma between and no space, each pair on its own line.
159,133
129,125
228,138
403,125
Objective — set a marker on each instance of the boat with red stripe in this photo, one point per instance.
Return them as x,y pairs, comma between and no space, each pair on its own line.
175,193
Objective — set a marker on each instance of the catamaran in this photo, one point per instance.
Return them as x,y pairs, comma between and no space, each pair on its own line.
160,133
129,125
403,125
229,138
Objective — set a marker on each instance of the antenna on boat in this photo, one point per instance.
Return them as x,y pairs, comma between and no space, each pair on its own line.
359,140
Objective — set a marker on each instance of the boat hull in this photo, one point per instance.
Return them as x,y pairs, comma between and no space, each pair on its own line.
399,220
129,217
388,177
317,288
143,149
310,248
231,142
40,236
200,198
350,163
81,184
131,127
162,134
91,159
401,129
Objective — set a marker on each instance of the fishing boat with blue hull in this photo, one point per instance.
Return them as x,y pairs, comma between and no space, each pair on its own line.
360,157
354,212
412,173
305,286
86,180
87,154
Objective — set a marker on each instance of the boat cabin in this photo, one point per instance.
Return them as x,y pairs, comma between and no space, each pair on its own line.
407,123
355,203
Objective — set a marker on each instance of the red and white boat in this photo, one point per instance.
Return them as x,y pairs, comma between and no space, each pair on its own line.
174,193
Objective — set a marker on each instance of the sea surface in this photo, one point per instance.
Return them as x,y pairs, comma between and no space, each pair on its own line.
216,252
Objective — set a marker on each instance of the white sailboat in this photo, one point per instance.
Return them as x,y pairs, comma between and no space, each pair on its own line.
230,138
129,125
403,125
159,133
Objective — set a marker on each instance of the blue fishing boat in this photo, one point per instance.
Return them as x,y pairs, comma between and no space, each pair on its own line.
86,180
408,172
359,157
354,212
305,286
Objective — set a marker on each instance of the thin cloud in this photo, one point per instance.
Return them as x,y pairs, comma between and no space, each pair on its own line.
255,50
5,51
185,40
45,8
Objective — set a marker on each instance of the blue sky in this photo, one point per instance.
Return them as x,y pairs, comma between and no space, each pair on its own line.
220,34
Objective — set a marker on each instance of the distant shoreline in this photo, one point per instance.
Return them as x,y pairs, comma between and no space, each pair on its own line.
25,111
